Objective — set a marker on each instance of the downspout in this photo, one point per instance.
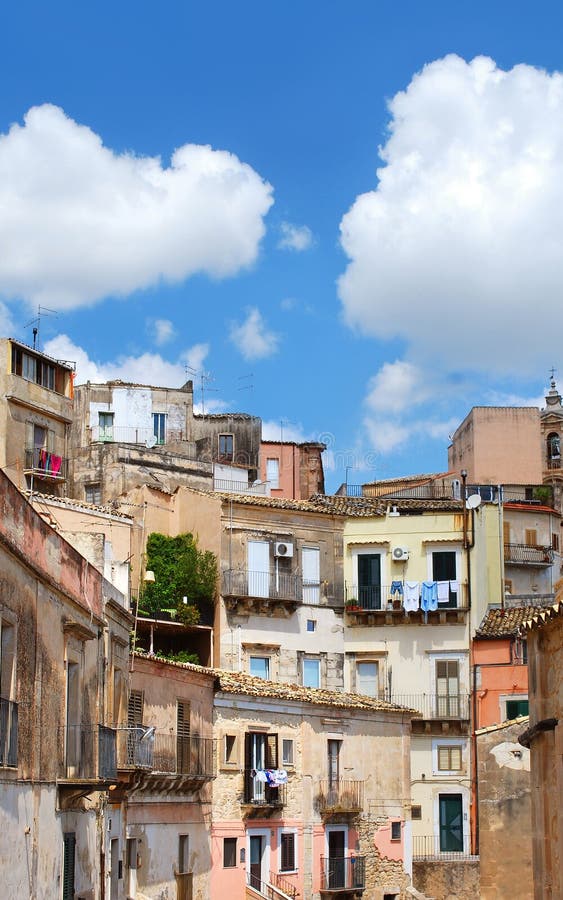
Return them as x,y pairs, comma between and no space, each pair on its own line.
468,545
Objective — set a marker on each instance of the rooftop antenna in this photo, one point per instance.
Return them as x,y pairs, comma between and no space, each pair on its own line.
246,387
205,378
36,322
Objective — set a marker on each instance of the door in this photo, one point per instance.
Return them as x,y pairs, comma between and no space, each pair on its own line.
447,689
369,580
337,858
114,873
451,823
311,572
256,853
69,851
444,569
105,426
258,569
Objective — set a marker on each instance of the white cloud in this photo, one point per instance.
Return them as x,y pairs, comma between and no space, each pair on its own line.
163,329
396,387
252,338
195,356
295,237
286,431
458,250
79,222
148,368
6,322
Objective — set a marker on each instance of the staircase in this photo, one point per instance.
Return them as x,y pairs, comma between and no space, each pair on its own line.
265,890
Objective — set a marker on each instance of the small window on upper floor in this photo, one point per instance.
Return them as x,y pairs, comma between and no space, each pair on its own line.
311,625
230,750
395,831
273,472
226,447
93,493
287,752
260,667
554,449
516,708
159,427
555,542
311,672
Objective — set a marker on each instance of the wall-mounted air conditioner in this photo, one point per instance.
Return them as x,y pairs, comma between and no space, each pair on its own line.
281,548
400,554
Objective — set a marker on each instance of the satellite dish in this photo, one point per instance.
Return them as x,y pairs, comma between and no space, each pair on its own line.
473,502
151,442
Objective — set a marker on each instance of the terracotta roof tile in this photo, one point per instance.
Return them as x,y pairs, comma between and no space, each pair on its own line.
541,616
499,623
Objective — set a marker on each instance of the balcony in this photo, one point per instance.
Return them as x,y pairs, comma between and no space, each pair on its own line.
340,797
179,763
226,485
442,714
442,848
8,733
123,434
135,747
528,555
260,798
89,760
343,873
47,466
270,593
376,605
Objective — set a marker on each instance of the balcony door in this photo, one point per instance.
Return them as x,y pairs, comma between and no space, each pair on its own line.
447,688
258,555
311,572
369,580
336,858
444,570
451,823
259,857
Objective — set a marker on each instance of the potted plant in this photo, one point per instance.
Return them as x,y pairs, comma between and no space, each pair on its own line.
352,605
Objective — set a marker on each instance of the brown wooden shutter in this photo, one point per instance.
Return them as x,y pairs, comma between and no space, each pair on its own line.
135,709
271,751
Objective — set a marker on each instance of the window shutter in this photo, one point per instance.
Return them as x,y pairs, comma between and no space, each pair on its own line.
183,736
69,846
135,709
271,751
287,852
443,759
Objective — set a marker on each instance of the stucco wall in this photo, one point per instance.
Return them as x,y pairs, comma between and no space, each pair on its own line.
498,445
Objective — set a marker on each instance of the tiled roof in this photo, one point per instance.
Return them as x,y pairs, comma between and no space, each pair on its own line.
541,616
531,507
51,499
431,476
319,503
242,683
520,720
499,623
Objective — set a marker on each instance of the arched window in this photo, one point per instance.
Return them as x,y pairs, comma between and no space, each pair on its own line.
553,446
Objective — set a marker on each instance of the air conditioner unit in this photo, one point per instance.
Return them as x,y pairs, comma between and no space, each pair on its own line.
400,554
283,549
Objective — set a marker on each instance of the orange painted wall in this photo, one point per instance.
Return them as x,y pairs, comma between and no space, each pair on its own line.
498,677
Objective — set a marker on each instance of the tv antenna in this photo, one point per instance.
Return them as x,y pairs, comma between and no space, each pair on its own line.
204,379
249,386
36,322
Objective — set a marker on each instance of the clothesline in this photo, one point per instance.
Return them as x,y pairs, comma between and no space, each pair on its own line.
426,595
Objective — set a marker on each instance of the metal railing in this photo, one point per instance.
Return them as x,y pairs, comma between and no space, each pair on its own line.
432,706
340,795
381,597
240,487
135,747
44,464
554,462
258,793
90,751
8,732
283,885
343,873
178,755
123,434
267,889
268,585
441,846
528,554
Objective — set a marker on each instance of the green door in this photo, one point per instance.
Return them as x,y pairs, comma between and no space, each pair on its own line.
369,580
451,823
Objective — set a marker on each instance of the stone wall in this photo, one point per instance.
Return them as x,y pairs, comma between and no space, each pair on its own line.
448,880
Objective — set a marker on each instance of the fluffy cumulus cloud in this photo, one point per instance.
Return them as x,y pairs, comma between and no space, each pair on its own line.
147,368
252,337
459,248
79,222
295,237
163,331
284,431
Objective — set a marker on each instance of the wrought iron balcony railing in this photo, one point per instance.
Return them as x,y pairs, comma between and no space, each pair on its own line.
266,585
135,747
44,464
382,596
90,752
528,554
432,706
343,873
340,796
8,732
183,755
258,793
449,844
270,890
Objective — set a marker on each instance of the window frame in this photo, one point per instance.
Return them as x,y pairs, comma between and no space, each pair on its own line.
226,437
286,761
273,478
230,842
440,743
268,666
306,662
282,833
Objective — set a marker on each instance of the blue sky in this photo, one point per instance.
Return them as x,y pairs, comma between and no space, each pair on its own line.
358,239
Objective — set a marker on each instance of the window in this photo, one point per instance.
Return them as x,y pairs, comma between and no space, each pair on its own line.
230,750
444,569
333,752
135,709
369,581
287,851
93,493
260,667
29,367
531,537
8,708
226,447
515,708
287,752
311,672
69,850
395,831
159,427
416,812
273,472
367,678
260,753
449,758
311,625
555,542
553,447
105,426
184,853
447,688
182,736
310,570
229,853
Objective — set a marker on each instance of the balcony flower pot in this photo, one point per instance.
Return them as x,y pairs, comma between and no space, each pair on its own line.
353,606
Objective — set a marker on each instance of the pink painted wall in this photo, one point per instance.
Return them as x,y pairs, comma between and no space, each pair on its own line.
388,848
288,457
